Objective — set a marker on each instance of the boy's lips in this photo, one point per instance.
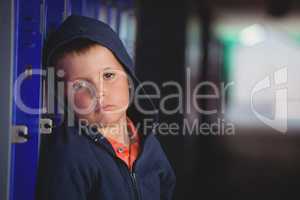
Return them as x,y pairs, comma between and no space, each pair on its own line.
107,107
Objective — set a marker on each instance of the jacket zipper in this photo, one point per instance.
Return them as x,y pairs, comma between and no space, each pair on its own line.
135,186
133,180
132,174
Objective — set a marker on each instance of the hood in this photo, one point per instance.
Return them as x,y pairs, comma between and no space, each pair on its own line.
84,27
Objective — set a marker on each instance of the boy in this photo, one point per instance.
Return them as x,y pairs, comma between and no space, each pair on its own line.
118,158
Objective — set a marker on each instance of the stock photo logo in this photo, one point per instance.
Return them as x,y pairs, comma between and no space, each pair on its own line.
279,120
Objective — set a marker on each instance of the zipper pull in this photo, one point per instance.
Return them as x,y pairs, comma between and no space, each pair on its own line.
133,177
136,190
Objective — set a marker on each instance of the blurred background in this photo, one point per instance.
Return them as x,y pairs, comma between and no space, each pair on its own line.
249,49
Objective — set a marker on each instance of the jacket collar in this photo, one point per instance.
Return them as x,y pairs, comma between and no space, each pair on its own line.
96,136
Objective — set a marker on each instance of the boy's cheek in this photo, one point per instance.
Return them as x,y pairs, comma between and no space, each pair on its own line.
81,102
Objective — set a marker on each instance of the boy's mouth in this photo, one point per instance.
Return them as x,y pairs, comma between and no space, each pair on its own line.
107,107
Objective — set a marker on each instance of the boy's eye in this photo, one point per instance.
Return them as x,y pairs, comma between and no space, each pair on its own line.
109,75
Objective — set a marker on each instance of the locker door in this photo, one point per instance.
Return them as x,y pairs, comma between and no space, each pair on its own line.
26,98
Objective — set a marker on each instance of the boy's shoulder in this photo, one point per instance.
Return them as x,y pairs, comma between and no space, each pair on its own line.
154,150
67,145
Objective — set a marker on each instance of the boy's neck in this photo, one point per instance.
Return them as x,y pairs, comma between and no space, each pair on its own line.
117,131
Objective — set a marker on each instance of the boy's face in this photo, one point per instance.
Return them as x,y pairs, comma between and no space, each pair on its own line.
97,85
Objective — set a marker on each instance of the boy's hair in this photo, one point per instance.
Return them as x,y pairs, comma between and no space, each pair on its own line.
77,46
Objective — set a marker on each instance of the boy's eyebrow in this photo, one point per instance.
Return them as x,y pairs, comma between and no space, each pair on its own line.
107,68
113,68
81,78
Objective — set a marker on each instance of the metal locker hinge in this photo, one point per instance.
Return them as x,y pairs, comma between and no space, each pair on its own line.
46,126
19,134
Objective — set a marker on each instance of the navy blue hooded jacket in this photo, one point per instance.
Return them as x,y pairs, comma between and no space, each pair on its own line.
78,165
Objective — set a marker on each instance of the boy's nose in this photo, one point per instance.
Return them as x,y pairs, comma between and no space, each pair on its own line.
100,97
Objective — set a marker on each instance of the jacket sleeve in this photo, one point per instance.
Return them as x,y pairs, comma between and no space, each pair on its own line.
61,177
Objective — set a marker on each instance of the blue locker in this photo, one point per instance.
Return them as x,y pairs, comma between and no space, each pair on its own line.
34,20
28,37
